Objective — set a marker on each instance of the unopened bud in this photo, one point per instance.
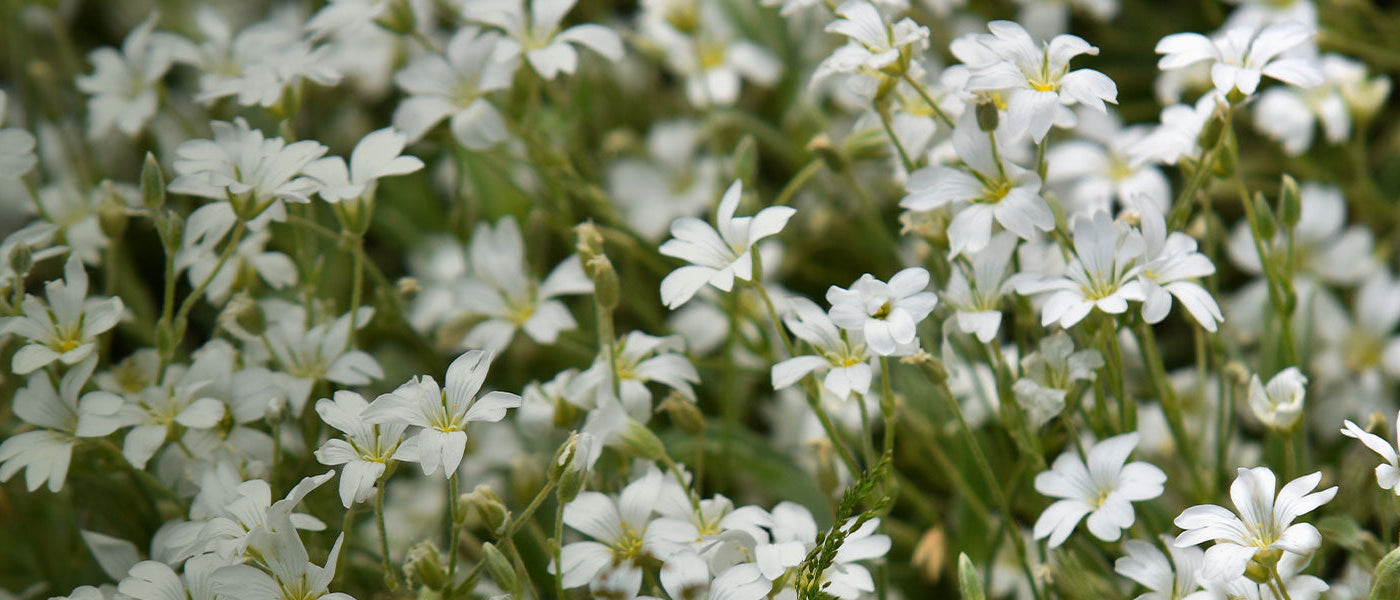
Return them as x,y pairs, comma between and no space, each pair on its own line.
251,318
407,287
488,506
988,117
1290,203
563,457
498,566
605,286
111,211
152,184
276,410
1235,96
172,231
590,240
1265,225
683,413
21,259
1237,373
640,441
1258,573
932,366
425,566
1225,161
1211,130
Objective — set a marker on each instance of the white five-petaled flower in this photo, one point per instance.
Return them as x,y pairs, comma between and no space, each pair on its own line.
620,528
987,188
1242,55
443,414
1165,580
1388,472
845,362
1170,263
253,173
1102,273
976,294
453,86
886,313
1261,521
377,155
1280,403
640,359
66,414
286,572
1104,490
718,254
500,290
366,449
123,85
64,329
1048,374
1035,81
874,45
536,34
320,352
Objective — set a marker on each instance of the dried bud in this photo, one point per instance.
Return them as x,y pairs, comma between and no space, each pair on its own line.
407,287
930,553
590,240
425,566
683,413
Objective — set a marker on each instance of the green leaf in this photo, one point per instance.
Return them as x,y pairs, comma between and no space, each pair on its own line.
968,581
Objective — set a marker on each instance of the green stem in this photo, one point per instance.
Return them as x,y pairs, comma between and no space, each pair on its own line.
808,171
182,315
1171,405
391,578
928,99
456,525
884,113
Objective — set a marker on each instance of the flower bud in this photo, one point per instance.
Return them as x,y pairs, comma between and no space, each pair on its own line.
932,366
1265,225
498,566
988,117
425,566
821,146
1237,373
1290,203
152,184
1257,573
968,581
407,287
930,553
21,259
111,211
172,231
590,240
605,286
275,411
488,506
1365,97
683,413
640,441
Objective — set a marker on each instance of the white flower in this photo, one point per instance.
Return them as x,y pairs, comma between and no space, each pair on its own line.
1102,273
286,572
686,575
377,155
718,255
443,414
366,449
874,46
124,86
1178,134
1100,169
704,49
536,35
242,167
846,363
37,238
1035,81
66,414
236,510
200,255
1261,522
886,313
153,580
620,526
1290,114
179,399
1388,472
1170,262
1048,374
987,188
1104,490
454,86
1279,404
1241,55
261,63
320,352
1165,580
676,179
1324,247
845,578
640,359
16,147
976,294
64,329
500,289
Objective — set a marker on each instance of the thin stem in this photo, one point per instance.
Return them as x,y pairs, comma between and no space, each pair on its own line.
357,280
1171,405
808,171
182,315
1280,589
928,99
558,550
390,577
884,113
455,525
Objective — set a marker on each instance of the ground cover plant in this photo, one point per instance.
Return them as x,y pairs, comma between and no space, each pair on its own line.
685,299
